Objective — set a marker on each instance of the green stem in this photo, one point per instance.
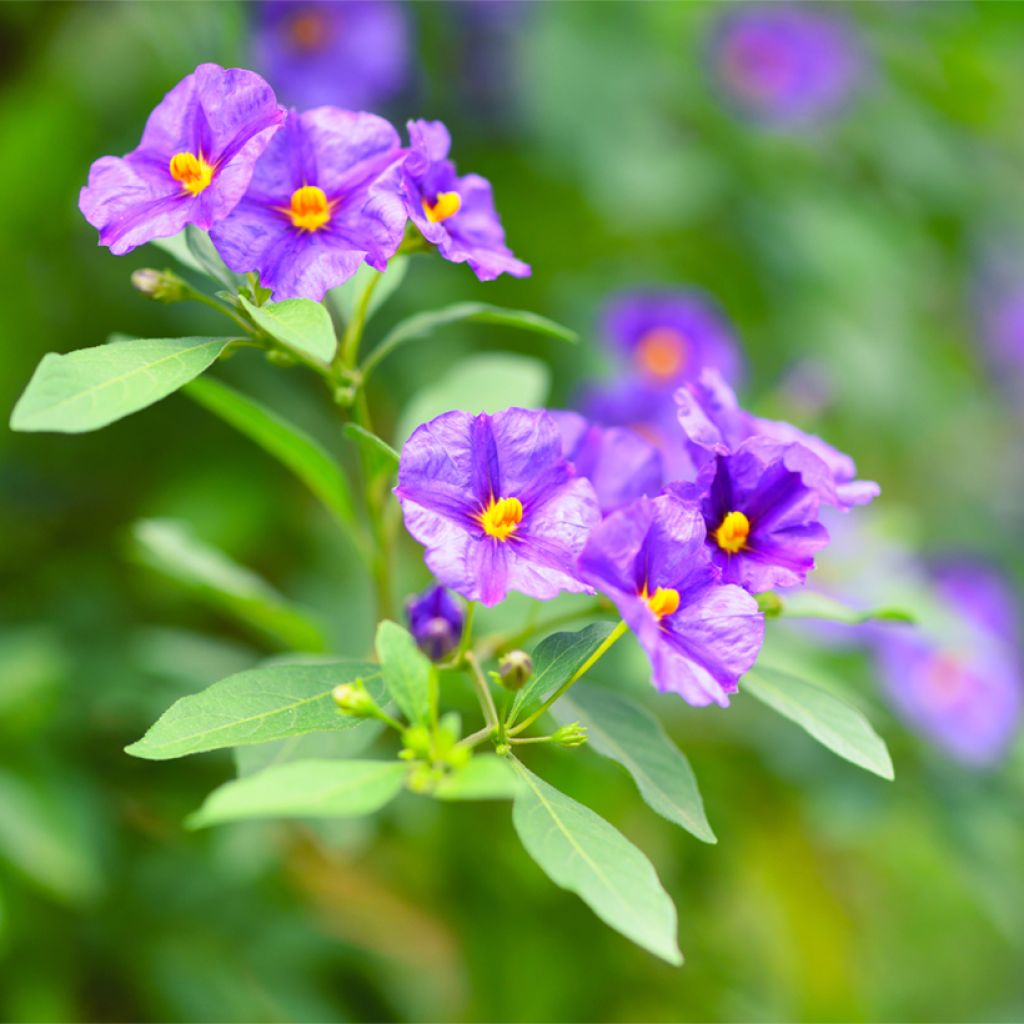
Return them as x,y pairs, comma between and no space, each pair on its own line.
614,635
467,635
220,307
531,739
483,692
477,737
348,352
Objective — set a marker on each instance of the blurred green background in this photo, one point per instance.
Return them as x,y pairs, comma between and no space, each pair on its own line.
847,255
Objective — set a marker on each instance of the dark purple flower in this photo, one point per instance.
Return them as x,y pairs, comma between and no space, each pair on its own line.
435,620
620,464
761,515
323,199
670,336
714,424
351,54
454,213
193,164
700,635
785,65
496,504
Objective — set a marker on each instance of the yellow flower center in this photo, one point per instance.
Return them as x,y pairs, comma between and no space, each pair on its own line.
662,352
309,209
308,30
501,518
732,532
664,601
446,204
192,171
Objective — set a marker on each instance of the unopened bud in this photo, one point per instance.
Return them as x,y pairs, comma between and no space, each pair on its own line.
514,669
770,604
436,621
160,285
353,699
572,735
418,741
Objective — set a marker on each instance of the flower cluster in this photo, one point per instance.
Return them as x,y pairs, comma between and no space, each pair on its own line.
678,513
301,199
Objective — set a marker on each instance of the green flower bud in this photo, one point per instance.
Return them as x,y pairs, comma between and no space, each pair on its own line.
770,604
572,735
160,285
515,668
353,699
418,741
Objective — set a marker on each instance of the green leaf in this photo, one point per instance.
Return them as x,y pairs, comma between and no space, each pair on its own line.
555,660
831,721
262,704
304,456
381,458
409,676
304,789
481,383
301,325
170,548
581,852
421,325
624,731
314,745
346,297
484,777
808,604
92,387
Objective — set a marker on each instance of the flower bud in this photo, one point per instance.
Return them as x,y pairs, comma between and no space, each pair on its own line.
160,285
435,620
514,669
353,699
769,604
572,735
418,742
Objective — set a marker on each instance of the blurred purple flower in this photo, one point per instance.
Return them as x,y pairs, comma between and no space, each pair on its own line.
700,635
670,336
620,464
785,65
193,164
435,620
345,53
761,516
454,213
496,504
323,199
714,424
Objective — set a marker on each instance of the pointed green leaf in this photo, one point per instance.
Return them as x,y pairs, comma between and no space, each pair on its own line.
305,457
409,676
581,852
555,660
92,387
380,457
481,383
301,325
809,604
257,706
621,729
304,789
346,298
831,721
485,777
170,548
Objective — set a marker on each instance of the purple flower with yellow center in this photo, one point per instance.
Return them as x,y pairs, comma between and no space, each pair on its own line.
194,162
323,198
454,213
435,620
714,424
495,503
761,516
700,634
670,336
620,464
785,65
351,54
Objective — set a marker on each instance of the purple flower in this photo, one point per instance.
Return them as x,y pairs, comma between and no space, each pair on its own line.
620,464
454,213
761,515
700,635
193,164
435,620
670,336
785,65
714,424
496,504
323,199
350,54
